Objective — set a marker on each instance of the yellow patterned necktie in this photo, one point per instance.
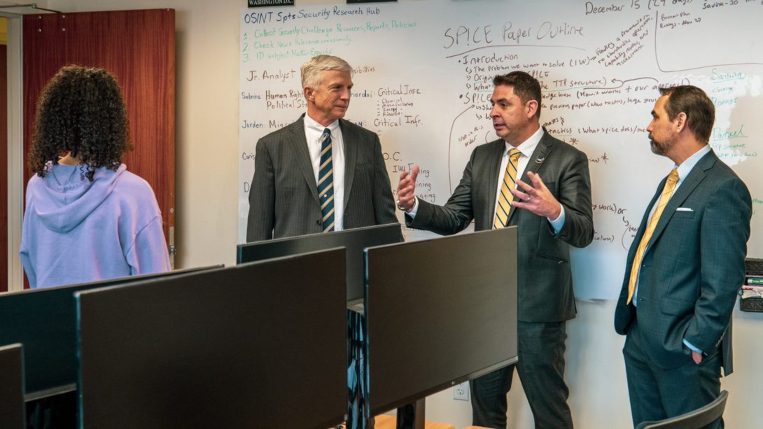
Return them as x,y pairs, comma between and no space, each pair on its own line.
506,197
667,192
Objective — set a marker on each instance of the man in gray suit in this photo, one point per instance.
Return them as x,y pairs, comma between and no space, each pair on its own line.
552,208
322,174
284,198
684,267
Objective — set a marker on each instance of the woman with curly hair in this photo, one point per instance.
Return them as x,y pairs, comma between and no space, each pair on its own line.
87,218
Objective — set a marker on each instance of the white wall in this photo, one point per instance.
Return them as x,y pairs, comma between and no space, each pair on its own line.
15,157
207,141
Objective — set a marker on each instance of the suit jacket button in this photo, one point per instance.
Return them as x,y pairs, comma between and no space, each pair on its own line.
318,221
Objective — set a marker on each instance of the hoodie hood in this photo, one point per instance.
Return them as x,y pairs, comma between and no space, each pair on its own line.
64,197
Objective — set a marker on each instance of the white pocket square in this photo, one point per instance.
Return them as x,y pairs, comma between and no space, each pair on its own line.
684,209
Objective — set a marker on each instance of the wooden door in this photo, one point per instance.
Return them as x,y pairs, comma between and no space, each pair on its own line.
136,46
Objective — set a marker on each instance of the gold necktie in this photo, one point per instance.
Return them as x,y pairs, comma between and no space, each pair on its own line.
506,197
667,192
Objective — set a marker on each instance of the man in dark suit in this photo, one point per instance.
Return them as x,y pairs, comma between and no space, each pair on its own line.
552,210
684,267
284,198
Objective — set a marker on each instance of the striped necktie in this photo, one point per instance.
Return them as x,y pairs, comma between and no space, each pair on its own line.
506,197
326,182
667,192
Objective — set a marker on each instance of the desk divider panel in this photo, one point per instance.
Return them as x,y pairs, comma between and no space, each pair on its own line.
12,387
439,312
44,321
354,240
258,345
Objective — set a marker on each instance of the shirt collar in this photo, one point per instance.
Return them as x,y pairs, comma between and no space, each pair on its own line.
685,168
312,124
528,146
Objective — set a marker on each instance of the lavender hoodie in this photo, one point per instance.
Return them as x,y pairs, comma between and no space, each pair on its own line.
78,231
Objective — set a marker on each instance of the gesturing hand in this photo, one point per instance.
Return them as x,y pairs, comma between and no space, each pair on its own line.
406,189
536,197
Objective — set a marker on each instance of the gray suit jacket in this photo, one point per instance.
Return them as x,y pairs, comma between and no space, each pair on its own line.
283,199
693,266
544,280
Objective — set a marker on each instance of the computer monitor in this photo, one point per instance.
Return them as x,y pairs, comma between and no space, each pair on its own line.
439,312
354,240
12,387
43,320
255,345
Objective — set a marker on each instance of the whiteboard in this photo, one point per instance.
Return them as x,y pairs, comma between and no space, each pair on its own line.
423,78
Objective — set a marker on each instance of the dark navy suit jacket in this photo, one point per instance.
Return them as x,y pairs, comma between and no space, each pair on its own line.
693,266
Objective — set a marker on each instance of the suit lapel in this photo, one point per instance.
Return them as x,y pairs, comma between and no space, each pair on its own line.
350,157
539,156
645,220
694,178
299,148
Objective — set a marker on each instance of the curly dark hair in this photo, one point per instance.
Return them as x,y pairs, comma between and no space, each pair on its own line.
81,112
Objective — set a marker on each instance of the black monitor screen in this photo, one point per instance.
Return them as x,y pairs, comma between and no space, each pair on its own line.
256,345
11,387
43,320
354,240
439,312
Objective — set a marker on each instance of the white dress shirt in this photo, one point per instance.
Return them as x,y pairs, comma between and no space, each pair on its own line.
313,133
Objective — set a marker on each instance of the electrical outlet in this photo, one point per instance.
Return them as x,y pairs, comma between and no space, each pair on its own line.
461,391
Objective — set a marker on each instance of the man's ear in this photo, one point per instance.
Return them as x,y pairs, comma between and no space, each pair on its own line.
680,122
308,92
531,107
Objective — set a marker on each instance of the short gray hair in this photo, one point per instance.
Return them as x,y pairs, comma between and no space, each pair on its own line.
312,69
